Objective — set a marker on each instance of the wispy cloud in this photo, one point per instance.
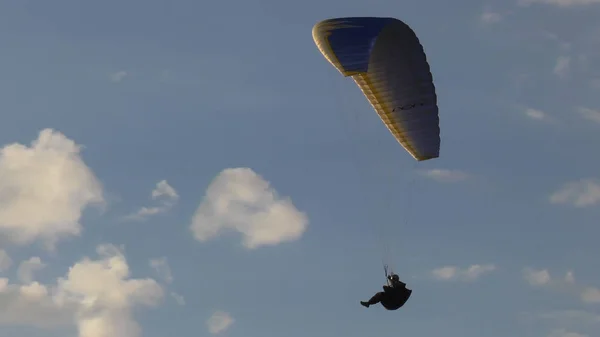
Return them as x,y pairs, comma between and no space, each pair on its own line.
569,321
5,260
562,66
559,3
118,76
581,193
560,43
536,114
219,322
590,295
163,189
28,268
590,115
471,273
161,266
542,278
571,317
445,175
164,194
565,333
178,298
488,16
536,277
238,199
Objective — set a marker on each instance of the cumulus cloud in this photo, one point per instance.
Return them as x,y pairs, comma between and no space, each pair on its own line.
590,115
44,189
105,295
219,322
444,175
28,268
559,3
5,261
33,305
562,66
97,295
240,200
582,193
118,76
161,266
471,273
164,194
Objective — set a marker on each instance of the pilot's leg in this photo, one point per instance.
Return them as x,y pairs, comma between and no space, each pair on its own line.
374,300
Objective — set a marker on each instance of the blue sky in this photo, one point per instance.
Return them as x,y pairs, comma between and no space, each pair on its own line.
188,108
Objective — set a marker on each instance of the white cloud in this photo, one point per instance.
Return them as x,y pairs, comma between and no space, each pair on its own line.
44,189
118,76
445,273
590,115
582,193
105,294
219,322
145,212
542,278
161,266
537,277
5,261
559,3
447,176
28,268
163,189
167,197
489,16
562,66
97,295
240,200
33,305
535,114
565,333
590,295
471,273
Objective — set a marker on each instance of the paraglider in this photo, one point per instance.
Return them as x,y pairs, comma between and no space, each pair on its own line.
393,296
386,60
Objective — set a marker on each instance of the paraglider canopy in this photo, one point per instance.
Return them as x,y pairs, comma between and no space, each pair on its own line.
386,60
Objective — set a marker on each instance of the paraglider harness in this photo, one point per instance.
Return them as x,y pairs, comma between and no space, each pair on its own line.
388,275
388,278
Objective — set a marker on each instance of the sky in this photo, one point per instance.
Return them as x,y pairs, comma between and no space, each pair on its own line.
190,168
